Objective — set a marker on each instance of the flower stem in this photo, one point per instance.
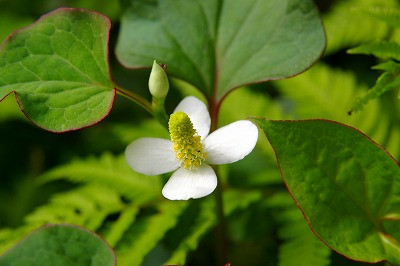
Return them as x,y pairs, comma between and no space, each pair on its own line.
135,98
220,230
220,241
159,111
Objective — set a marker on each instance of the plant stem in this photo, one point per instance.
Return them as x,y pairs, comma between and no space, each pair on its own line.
135,98
220,230
159,111
221,243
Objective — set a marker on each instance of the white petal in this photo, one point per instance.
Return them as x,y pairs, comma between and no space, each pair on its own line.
151,156
198,114
185,184
231,143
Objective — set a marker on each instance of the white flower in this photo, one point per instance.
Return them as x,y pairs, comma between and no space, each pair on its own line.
191,150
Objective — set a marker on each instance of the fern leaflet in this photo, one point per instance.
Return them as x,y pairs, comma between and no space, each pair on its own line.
325,92
300,246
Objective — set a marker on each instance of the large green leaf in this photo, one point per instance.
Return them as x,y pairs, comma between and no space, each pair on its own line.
218,45
347,186
58,70
60,245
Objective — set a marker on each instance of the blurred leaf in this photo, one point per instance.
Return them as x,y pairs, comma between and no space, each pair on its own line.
222,45
386,14
10,22
60,245
58,70
345,185
346,25
109,8
9,109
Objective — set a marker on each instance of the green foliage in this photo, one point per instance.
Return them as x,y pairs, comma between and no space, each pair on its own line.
212,44
383,49
344,194
141,238
389,80
300,246
11,23
103,182
109,171
58,70
347,26
326,92
386,14
60,245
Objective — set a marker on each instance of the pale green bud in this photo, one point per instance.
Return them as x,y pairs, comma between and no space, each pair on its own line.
158,81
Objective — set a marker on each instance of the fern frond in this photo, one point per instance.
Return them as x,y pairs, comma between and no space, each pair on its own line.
389,80
389,15
109,171
117,229
234,200
205,220
147,232
300,246
325,92
347,26
87,206
381,49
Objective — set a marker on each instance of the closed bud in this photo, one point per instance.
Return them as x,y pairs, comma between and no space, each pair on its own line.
158,81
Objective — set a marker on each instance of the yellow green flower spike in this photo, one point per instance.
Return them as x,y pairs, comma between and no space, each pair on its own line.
186,143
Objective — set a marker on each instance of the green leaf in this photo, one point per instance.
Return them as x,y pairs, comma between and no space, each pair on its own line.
345,184
60,245
220,45
58,70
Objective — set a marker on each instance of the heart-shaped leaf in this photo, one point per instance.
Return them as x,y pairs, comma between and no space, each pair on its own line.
347,186
58,70
218,45
60,245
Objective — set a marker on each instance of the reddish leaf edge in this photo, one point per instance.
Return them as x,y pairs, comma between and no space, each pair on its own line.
254,120
114,90
63,225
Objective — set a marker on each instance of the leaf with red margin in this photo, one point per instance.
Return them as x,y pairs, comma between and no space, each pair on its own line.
60,244
219,45
347,186
58,69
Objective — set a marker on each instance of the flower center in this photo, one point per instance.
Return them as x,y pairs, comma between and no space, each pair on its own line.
186,143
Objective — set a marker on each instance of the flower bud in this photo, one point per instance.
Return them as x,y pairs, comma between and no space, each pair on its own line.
158,81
